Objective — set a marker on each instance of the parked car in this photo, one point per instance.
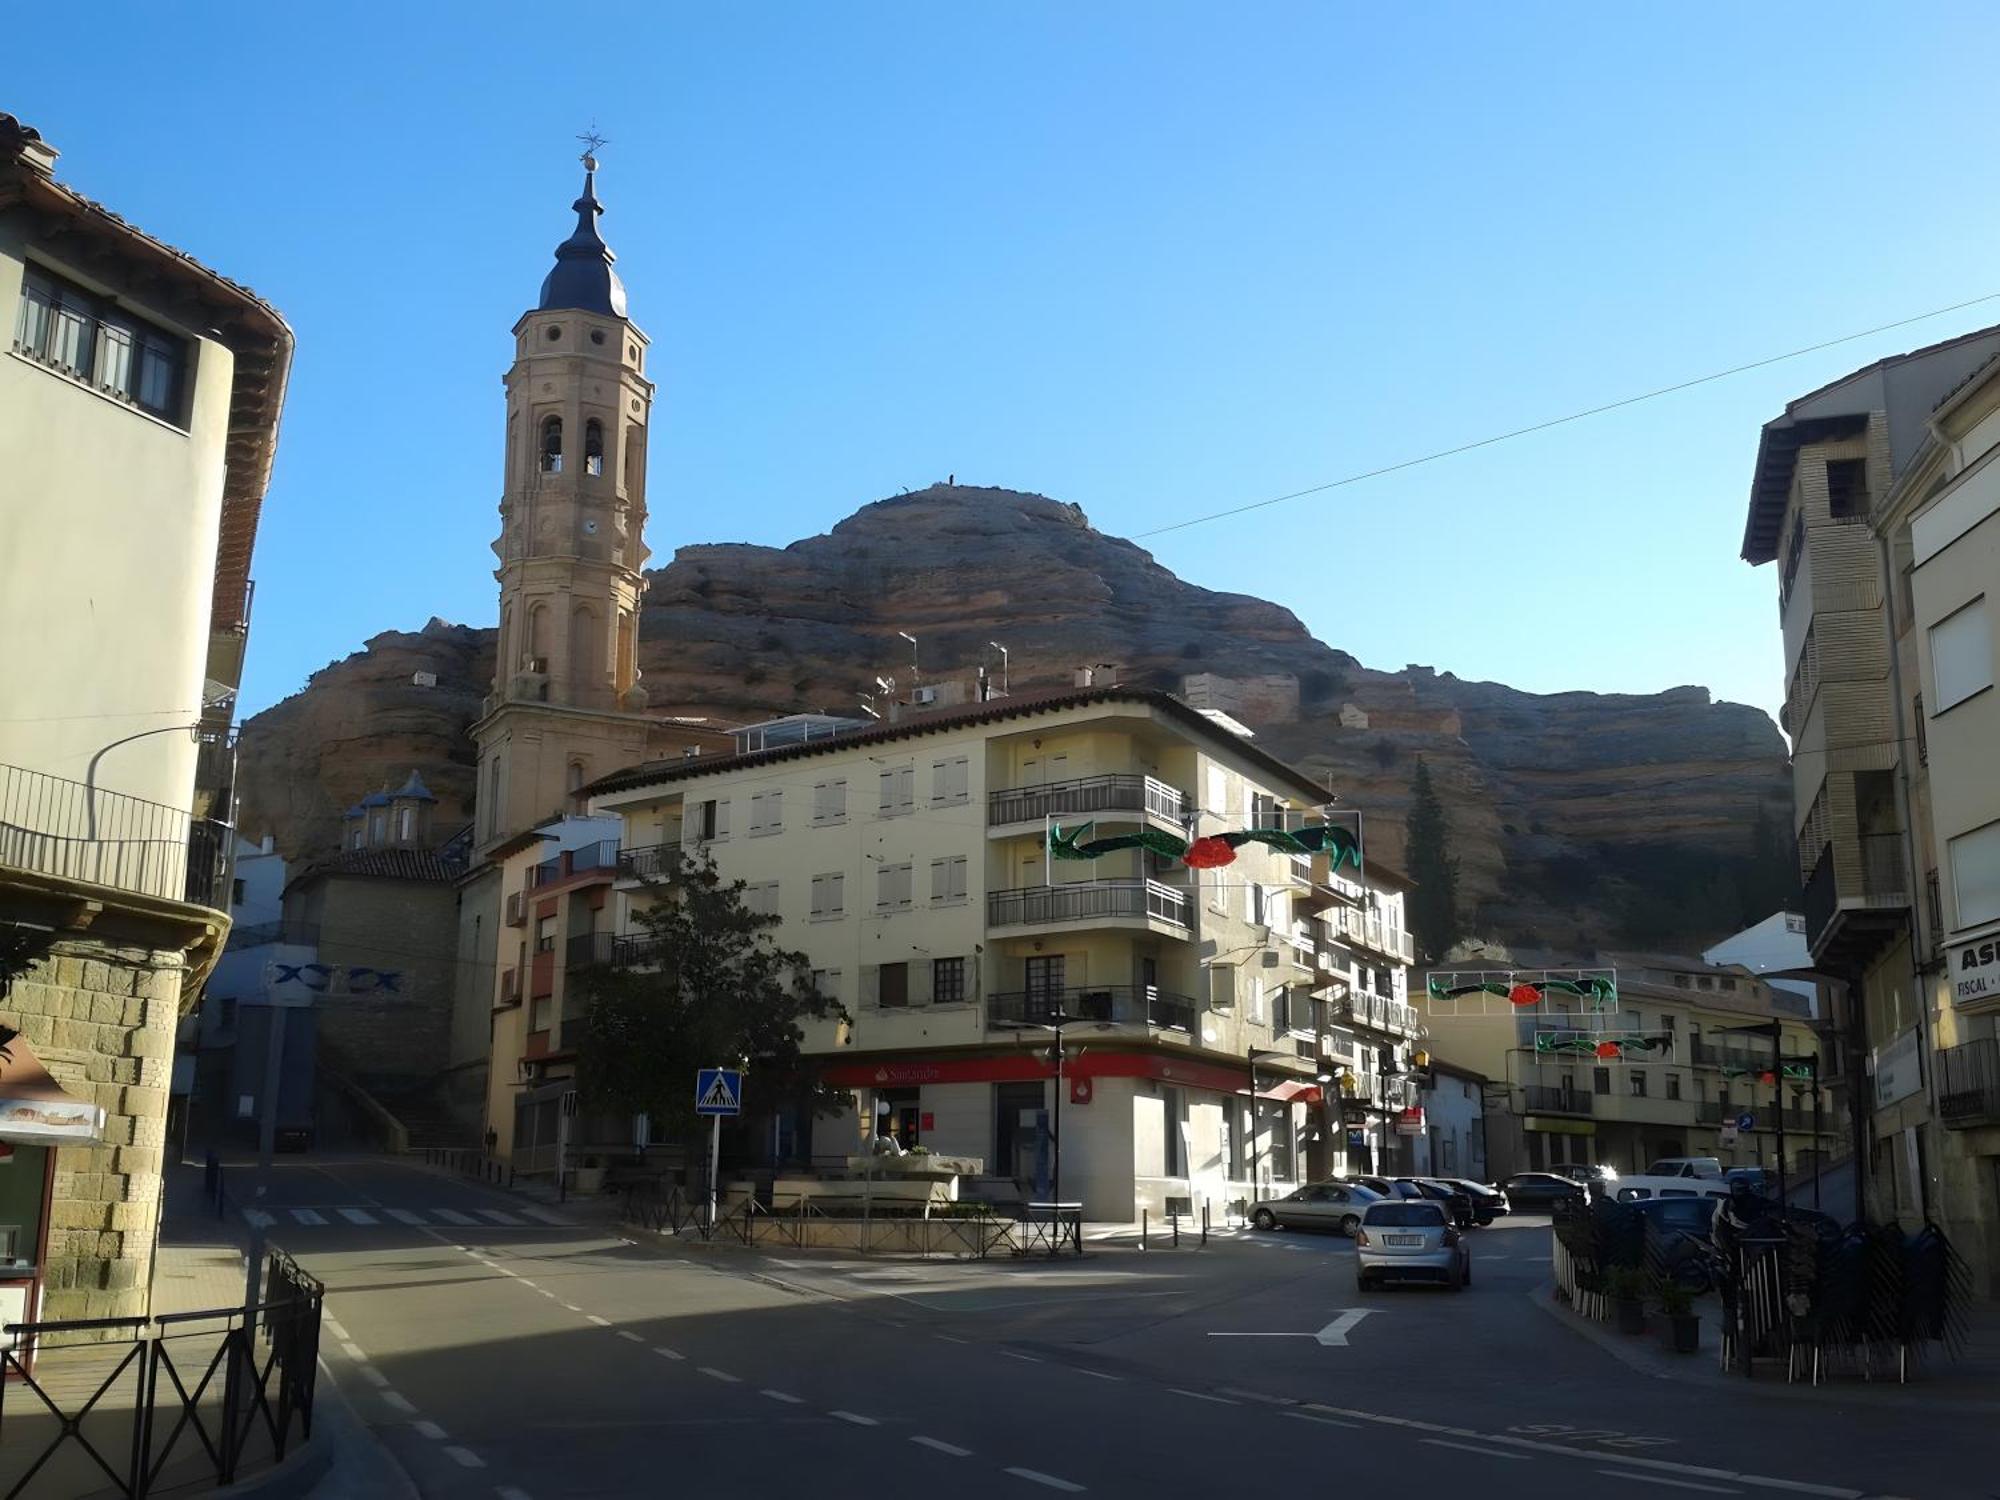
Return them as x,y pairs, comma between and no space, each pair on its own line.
1457,1202
1593,1175
1760,1180
1317,1205
1540,1192
1488,1202
1410,1239
1643,1186
1685,1166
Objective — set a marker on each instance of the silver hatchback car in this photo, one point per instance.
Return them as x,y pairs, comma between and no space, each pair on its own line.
1411,1239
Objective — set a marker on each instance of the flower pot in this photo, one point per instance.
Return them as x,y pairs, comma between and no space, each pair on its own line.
1631,1314
1684,1335
584,1181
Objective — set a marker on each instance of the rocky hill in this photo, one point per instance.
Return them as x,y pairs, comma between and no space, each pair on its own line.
1580,819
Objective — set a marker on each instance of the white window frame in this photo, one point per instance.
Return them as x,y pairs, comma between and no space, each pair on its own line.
767,813
1970,620
951,781
1976,916
898,786
759,892
886,878
824,792
946,867
833,883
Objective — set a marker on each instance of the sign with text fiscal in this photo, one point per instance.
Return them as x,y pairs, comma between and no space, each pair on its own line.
1974,969
718,1091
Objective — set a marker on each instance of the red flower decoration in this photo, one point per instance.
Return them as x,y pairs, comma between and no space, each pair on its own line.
1767,1077
1207,853
1607,1049
1524,994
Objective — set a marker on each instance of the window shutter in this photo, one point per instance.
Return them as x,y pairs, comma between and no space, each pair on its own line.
837,895
940,879
722,818
871,984
920,984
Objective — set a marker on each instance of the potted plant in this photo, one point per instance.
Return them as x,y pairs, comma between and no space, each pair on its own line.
1684,1327
1628,1295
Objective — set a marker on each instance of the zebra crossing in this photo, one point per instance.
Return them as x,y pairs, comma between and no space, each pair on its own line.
340,1215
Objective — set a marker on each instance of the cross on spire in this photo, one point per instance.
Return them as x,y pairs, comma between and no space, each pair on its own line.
592,143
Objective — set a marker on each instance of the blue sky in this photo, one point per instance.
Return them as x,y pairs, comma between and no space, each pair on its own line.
1154,259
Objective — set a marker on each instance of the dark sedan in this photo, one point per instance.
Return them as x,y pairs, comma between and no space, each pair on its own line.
1540,1192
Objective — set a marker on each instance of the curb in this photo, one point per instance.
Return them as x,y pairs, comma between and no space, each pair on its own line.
342,1460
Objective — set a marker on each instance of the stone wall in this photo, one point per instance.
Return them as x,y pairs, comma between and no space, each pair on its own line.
394,1040
102,1017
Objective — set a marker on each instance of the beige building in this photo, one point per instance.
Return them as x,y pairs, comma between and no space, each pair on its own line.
139,403
1863,490
1552,1101
909,861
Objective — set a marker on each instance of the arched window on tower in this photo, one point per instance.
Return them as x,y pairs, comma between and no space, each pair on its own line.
576,775
552,445
593,447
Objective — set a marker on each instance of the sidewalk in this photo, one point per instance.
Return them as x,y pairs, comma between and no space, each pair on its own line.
1968,1381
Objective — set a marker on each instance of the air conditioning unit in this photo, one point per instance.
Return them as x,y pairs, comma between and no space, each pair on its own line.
516,913
924,696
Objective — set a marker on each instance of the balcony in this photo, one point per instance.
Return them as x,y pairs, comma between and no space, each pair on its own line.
1547,1099
1968,1081
649,861
1853,917
1088,901
603,855
1087,796
67,829
1113,1004
1379,1013
1371,932
587,949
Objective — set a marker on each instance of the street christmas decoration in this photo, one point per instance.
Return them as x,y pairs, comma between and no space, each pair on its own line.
1211,850
1607,1046
1597,991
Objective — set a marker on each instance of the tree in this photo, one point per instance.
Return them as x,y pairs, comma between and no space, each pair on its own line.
1434,904
707,986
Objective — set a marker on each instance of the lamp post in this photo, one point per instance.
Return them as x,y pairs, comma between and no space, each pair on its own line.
1057,1020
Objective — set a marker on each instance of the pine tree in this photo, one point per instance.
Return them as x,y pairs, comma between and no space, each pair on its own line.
1434,904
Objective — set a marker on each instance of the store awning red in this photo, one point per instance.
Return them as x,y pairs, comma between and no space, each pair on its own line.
1291,1091
35,1109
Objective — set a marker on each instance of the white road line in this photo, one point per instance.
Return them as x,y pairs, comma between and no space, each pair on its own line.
723,1375
333,1327
1196,1396
1026,1359
571,1307
307,1216
934,1445
430,1430
504,1271
1471,1448
1679,1484
953,1339
453,1216
789,1400
500,1218
1306,1416
467,1457
1036,1476
543,1216
855,1417
600,1322
256,1218
357,1216
353,1352
397,1402
1095,1374
666,1353
626,1333
374,1377
404,1216
545,1291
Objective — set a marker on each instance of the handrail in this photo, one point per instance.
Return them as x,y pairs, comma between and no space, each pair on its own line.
77,831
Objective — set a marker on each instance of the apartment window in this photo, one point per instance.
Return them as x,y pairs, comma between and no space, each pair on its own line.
1669,1022
898,787
545,935
711,820
761,899
1847,488
830,802
1961,655
947,981
767,813
892,986
541,1012
948,879
892,888
829,897
1975,874
101,344
377,829
951,781
827,982
1673,1085
1600,1080
1637,1079
1173,1127
1263,810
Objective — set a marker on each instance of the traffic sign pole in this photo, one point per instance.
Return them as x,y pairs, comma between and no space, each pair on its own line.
714,1163
717,1092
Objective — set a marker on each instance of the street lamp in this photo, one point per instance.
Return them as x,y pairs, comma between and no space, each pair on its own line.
1057,1020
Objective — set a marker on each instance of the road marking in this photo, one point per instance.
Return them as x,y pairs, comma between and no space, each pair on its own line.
789,1400
404,1216
953,1339
1306,1416
1679,1484
855,1417
500,1218
453,1216
398,1402
1026,1359
374,1377
1470,1448
600,1322
256,1218
1334,1335
626,1333
1095,1374
333,1327
504,1271
932,1443
723,1375
1036,1476
666,1353
307,1216
353,1352
571,1307
430,1430
543,1216
467,1457
545,1291
357,1216
1200,1396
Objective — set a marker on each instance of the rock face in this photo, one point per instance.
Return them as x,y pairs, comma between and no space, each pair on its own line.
1576,817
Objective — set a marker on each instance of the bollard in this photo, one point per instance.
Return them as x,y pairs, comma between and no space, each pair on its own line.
1142,1231
1177,1229
1204,1223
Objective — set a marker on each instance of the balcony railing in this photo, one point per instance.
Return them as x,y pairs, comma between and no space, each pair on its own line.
1371,932
1086,902
1364,1008
1118,1004
1547,1099
1084,796
1969,1084
1883,883
587,948
603,855
54,826
646,860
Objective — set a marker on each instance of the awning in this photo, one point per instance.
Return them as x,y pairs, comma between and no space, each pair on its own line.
1291,1091
1551,1126
34,1108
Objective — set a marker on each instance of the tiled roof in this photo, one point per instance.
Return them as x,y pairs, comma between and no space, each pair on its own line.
425,865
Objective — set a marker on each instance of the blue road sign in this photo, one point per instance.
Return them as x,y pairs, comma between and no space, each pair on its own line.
718,1091
1746,1121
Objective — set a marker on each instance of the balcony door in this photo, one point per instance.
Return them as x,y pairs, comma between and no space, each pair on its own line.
1040,770
1045,975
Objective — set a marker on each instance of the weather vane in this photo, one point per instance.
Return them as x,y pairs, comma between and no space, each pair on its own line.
592,141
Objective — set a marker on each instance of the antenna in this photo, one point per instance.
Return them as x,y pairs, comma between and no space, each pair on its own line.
916,672
1003,665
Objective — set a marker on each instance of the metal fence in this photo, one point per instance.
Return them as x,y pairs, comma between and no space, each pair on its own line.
855,1221
1969,1082
1085,901
144,1406
81,832
1119,1003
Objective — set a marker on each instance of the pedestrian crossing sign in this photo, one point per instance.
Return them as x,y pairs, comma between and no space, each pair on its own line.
718,1091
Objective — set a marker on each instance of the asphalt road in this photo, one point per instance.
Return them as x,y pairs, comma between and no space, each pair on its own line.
507,1356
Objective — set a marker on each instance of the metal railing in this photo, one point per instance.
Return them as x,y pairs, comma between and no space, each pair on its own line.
602,855
1380,1012
1968,1082
1086,901
1085,795
1371,931
78,832
587,948
649,860
1547,1099
302,934
1125,1004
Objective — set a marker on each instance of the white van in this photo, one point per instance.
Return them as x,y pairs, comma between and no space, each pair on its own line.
1639,1188
1685,1166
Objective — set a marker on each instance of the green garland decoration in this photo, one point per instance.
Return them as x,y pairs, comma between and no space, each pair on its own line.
1212,849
